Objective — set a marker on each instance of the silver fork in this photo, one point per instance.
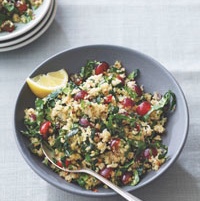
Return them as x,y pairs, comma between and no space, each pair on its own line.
50,155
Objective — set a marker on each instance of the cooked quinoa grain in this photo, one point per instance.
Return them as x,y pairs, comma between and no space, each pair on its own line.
105,121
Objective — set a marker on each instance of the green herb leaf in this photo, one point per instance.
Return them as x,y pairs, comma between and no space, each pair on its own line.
113,109
2,18
88,158
67,90
82,180
127,165
9,6
131,93
169,99
136,178
52,96
138,145
39,105
72,132
133,75
86,71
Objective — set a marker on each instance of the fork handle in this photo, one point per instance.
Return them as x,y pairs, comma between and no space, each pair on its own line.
117,189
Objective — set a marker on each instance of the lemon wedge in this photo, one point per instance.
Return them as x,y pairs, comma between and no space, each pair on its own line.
43,84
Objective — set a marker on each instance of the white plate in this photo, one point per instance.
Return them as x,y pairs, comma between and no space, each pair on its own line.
30,32
37,35
39,13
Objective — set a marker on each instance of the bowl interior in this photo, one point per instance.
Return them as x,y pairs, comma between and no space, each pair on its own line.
153,76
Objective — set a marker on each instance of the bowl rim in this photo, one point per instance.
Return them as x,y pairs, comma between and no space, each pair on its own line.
130,189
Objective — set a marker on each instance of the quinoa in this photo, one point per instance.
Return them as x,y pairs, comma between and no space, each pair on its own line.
102,120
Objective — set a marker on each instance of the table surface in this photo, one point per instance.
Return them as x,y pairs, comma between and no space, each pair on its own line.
166,30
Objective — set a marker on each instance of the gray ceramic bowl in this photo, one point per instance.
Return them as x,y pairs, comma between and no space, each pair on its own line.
153,76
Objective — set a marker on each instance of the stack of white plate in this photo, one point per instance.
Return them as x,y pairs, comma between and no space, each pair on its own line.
27,33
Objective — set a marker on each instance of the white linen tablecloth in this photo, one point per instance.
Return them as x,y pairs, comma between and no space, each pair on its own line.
168,31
